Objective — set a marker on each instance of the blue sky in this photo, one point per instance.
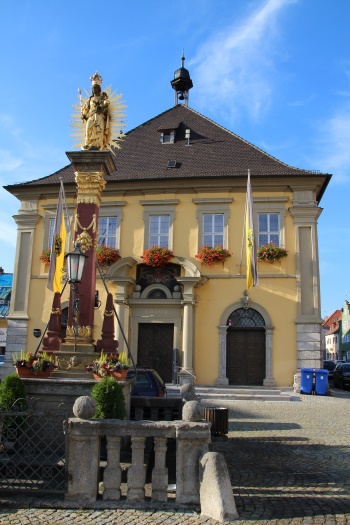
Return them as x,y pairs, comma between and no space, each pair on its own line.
275,72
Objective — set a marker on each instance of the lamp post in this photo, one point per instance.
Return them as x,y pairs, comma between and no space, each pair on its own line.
75,267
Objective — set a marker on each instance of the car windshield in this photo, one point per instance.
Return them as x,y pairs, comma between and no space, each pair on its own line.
346,368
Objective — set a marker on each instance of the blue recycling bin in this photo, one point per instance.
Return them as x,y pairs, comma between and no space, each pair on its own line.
321,383
306,380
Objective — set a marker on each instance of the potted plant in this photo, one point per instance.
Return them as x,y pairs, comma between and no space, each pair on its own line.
109,398
210,256
28,365
156,256
110,365
270,252
106,255
45,256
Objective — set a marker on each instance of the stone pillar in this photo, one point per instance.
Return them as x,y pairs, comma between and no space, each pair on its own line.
83,459
192,441
305,213
91,167
160,472
137,471
222,379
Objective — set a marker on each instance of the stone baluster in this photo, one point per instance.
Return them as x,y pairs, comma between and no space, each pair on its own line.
160,472
112,476
137,470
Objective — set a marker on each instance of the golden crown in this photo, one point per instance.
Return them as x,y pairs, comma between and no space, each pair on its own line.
96,79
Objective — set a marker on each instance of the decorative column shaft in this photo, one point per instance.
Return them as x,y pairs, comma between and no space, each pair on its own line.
91,167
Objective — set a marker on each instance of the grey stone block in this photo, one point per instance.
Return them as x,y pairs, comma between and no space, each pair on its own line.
216,497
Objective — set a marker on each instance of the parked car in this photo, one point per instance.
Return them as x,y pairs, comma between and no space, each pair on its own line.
147,383
330,366
341,375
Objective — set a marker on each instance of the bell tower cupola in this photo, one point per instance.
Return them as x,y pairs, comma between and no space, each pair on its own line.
182,83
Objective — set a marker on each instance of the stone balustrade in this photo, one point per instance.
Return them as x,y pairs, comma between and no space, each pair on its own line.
83,459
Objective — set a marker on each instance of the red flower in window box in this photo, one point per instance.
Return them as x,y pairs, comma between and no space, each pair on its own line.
45,256
270,252
210,256
156,256
106,256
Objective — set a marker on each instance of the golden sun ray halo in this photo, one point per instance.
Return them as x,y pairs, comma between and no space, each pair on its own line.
116,120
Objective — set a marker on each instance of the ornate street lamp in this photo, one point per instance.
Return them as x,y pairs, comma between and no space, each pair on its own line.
75,267
75,264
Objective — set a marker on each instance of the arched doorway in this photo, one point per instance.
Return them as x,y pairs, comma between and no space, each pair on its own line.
246,348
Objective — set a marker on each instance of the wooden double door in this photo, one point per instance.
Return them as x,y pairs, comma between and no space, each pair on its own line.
246,356
155,348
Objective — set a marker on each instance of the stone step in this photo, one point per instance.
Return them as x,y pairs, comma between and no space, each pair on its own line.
217,394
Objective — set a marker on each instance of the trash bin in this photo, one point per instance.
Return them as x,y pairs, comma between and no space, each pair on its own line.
306,380
218,418
321,385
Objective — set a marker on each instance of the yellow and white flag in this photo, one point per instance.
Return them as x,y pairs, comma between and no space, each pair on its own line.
58,246
251,248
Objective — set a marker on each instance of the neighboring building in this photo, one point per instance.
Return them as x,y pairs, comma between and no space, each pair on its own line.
345,332
5,299
180,182
332,335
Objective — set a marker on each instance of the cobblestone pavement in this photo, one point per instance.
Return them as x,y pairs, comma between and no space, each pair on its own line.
289,463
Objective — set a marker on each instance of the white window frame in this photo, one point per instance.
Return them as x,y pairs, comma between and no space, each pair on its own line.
271,205
154,207
212,206
170,134
113,210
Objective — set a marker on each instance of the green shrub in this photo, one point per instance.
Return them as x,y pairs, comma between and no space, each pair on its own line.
11,389
109,398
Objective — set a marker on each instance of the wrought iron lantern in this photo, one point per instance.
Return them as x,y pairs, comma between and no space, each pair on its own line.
75,264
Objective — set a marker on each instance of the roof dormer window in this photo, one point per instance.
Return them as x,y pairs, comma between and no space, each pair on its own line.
167,137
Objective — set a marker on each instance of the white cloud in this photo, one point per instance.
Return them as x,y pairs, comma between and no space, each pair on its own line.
332,146
233,69
8,232
8,162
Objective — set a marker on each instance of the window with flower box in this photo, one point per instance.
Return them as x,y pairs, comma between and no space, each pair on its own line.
269,228
109,224
107,231
269,218
159,219
213,216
